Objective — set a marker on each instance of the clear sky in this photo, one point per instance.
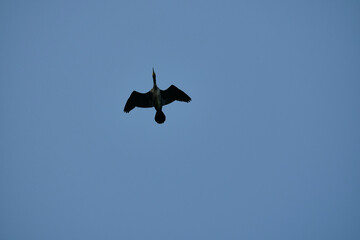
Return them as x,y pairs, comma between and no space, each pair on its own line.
268,148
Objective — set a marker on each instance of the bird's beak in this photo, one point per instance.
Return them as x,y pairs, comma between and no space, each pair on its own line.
153,72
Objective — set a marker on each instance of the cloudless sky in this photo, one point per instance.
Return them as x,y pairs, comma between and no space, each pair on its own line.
268,148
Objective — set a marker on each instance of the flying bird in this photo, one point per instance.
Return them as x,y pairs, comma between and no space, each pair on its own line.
156,98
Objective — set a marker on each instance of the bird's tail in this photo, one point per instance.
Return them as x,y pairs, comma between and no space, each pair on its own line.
160,117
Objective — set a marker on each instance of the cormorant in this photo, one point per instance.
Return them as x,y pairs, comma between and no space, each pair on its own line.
156,98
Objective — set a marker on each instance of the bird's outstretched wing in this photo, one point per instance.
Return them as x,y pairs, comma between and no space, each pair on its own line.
173,93
136,99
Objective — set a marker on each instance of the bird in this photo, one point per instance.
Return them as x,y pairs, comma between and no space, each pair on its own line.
156,98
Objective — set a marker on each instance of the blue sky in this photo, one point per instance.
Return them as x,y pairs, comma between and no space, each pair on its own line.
267,149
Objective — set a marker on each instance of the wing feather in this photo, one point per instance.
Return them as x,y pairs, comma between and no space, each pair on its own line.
136,99
173,93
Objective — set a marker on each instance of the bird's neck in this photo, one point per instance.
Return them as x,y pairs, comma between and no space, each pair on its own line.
154,80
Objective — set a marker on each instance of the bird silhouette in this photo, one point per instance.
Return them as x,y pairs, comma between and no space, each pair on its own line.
156,98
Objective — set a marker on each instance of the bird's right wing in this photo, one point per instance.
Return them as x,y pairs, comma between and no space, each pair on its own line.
136,99
173,93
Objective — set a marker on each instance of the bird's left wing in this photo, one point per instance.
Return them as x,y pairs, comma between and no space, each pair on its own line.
136,99
173,93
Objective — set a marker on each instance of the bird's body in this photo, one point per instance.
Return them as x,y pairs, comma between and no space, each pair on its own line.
156,98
